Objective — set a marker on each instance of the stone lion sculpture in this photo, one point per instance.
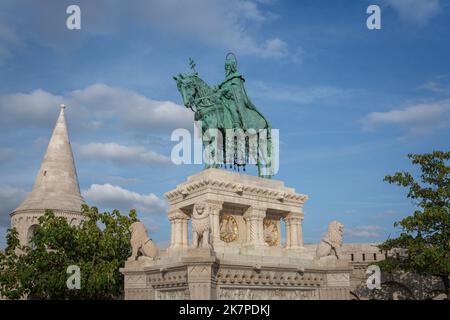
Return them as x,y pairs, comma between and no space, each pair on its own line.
331,244
200,226
141,243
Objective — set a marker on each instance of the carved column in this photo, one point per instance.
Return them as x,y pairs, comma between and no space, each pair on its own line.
254,218
294,237
172,233
214,214
300,232
179,226
185,233
287,224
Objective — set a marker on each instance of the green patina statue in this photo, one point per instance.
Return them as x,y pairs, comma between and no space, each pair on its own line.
245,134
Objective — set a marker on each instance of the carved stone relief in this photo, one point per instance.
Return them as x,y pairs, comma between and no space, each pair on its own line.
228,229
271,232
267,294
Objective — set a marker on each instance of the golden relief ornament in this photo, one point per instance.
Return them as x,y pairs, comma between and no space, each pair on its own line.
228,229
271,232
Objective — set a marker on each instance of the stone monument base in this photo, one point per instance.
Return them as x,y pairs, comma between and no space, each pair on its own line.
199,274
239,253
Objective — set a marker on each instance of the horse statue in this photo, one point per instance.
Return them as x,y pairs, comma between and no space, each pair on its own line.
242,133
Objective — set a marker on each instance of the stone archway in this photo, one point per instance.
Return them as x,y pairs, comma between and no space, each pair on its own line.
30,232
73,222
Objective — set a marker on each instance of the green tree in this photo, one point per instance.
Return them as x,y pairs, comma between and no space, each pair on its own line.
99,247
424,240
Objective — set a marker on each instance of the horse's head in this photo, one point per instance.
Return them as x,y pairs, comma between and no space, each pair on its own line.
187,87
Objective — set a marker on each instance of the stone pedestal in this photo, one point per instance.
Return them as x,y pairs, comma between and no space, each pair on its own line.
247,259
203,276
238,207
201,273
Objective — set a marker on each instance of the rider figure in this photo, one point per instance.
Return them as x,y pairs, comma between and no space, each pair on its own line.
234,96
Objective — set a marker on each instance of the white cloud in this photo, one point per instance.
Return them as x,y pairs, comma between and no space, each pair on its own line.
121,180
107,196
92,108
301,95
134,109
120,154
415,11
418,119
10,199
274,48
369,231
36,108
437,87
225,24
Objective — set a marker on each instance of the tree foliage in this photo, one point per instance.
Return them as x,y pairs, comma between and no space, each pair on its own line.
99,247
424,241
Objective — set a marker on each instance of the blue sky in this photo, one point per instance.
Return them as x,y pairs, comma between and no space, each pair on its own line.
350,103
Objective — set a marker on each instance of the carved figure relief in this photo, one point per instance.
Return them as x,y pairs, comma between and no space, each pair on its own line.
331,244
200,226
228,229
140,243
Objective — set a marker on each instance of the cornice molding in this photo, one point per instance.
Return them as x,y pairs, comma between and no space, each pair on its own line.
188,189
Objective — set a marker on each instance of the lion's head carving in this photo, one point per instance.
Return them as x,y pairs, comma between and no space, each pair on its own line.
140,243
332,242
200,208
335,234
201,225
138,233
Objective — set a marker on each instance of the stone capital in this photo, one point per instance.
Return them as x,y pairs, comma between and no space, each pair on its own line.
255,213
177,214
294,217
214,206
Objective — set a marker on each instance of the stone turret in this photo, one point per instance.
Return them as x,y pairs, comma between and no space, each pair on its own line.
56,186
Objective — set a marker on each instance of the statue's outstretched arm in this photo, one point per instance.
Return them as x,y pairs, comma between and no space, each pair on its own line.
222,92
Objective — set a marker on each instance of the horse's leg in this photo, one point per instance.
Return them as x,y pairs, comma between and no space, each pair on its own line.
268,146
223,155
210,162
204,128
269,156
258,159
219,148
224,149
262,155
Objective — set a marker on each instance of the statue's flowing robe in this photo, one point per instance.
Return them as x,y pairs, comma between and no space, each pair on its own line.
239,103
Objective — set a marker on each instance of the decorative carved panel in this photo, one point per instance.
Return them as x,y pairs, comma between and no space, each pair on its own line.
182,294
267,294
228,228
271,232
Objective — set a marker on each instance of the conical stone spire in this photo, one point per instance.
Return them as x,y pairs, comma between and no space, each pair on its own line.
56,186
